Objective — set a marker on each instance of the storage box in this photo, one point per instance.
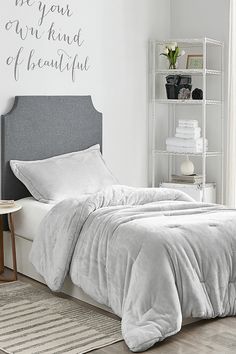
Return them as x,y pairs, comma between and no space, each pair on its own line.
194,190
174,83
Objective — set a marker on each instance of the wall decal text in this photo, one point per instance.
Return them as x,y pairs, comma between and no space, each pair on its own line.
69,57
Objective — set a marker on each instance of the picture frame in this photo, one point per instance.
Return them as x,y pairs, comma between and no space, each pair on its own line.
194,61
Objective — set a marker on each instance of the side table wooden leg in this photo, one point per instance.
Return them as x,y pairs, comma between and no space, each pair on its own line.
1,247
13,245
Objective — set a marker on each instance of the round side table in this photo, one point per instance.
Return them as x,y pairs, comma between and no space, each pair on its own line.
9,211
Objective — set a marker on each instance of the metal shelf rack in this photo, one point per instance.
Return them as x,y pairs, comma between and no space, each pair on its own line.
156,103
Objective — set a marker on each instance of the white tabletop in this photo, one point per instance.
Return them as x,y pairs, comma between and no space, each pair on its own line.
9,210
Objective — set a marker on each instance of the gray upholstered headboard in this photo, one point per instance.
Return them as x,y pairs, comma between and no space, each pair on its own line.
38,127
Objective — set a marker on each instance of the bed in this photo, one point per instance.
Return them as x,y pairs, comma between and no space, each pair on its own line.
153,256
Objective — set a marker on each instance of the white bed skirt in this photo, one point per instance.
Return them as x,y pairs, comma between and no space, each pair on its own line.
24,267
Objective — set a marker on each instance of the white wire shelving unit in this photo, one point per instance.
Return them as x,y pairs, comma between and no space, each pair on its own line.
213,69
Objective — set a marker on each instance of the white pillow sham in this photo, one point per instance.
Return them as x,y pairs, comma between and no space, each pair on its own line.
65,176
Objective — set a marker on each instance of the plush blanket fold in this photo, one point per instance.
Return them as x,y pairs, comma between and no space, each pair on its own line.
153,255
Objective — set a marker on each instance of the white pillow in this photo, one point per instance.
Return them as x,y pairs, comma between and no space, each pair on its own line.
64,176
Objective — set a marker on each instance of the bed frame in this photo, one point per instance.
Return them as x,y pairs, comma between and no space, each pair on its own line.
39,127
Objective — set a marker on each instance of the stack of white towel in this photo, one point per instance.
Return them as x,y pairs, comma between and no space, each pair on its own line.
187,138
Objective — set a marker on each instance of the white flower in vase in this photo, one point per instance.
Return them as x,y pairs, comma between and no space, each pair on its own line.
173,46
172,52
166,50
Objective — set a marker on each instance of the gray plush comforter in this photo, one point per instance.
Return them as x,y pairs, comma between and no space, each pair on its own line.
153,255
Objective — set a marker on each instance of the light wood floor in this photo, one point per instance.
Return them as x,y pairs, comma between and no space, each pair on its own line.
204,337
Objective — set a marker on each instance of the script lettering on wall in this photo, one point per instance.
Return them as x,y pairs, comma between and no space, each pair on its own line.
69,55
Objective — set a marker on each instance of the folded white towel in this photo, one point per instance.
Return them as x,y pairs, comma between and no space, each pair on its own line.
188,133
185,142
188,136
188,123
188,130
181,149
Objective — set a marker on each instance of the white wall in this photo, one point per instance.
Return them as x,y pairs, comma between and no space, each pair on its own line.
202,18
115,35
209,18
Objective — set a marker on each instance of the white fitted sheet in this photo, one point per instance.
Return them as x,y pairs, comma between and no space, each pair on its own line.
27,220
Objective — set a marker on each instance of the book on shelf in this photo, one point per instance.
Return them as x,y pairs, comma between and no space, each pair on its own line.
193,179
7,203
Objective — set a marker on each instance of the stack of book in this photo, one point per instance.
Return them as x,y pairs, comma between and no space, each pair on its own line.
193,179
7,203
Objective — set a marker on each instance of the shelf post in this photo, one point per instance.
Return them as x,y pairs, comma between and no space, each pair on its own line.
222,124
204,119
152,120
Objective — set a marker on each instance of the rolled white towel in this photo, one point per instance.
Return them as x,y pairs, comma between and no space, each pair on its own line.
188,123
185,142
181,149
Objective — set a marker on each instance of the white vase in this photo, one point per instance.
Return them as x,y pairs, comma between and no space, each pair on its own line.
187,167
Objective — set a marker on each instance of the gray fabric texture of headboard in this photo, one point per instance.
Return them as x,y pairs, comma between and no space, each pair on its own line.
38,127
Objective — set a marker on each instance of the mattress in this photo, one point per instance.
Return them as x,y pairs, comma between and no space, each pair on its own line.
27,220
